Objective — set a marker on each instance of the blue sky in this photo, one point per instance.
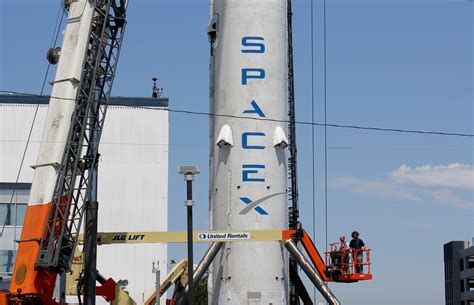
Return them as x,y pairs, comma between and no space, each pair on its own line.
402,64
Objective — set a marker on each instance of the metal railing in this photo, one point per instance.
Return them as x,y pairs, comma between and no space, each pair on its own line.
346,260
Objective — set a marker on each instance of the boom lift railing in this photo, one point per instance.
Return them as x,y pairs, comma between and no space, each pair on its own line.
346,263
73,185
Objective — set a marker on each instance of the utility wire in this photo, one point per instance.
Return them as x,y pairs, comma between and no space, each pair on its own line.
453,149
344,126
399,130
54,38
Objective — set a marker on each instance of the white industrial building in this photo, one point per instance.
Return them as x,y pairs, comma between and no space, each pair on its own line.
132,182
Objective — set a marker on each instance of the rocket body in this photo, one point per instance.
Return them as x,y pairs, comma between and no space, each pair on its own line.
248,147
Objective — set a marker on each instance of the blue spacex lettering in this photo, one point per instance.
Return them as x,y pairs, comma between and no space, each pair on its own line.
255,44
253,173
248,169
245,140
252,73
248,202
254,205
256,109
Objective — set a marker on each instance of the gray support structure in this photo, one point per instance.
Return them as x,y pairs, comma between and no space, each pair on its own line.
201,269
311,273
300,289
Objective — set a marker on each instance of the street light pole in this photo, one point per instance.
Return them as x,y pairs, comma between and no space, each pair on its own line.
189,172
189,207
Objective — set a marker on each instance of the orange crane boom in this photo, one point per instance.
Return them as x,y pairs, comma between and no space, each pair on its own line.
60,189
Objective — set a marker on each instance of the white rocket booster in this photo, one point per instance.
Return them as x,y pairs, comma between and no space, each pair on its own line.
248,140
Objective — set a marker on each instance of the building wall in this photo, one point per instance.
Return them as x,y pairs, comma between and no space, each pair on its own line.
15,123
133,193
133,182
467,276
459,273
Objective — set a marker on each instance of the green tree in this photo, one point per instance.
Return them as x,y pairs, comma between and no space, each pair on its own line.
200,291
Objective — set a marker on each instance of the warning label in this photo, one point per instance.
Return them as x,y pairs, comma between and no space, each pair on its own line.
218,236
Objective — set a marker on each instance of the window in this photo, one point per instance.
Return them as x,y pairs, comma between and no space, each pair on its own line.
470,262
7,258
12,214
13,202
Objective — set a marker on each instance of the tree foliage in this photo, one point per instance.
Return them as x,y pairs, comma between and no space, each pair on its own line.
200,292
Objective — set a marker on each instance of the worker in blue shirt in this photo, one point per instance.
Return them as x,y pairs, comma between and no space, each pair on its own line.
357,245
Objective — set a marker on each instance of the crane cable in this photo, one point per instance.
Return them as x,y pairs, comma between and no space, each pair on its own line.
325,125
54,39
313,165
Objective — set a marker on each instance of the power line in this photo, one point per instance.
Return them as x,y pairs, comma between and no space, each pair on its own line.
343,126
102,143
382,129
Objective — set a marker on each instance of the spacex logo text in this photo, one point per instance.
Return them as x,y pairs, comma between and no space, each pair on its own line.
254,204
254,172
